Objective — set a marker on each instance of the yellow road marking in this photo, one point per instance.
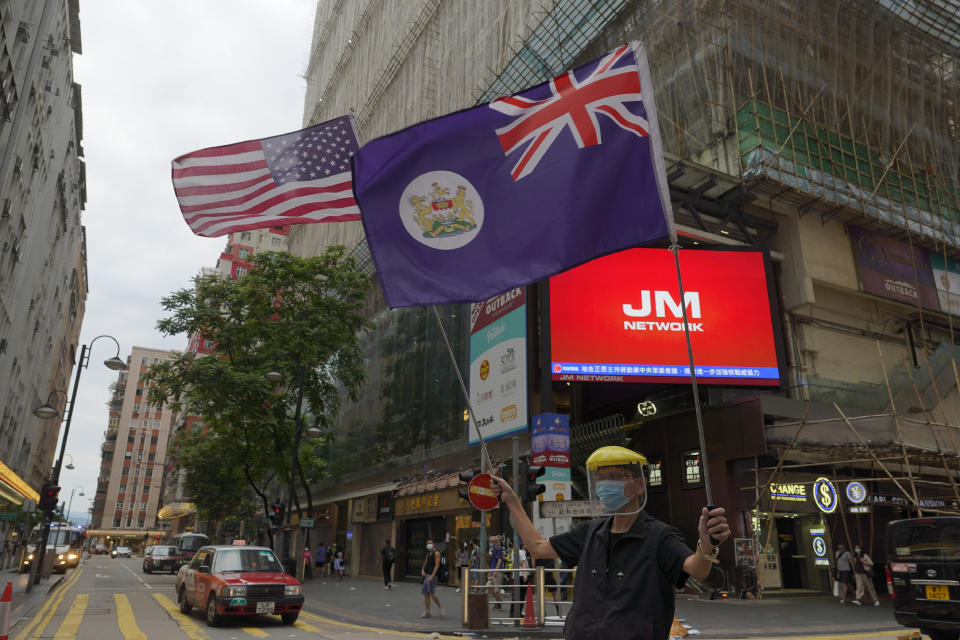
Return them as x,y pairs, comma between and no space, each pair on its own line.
306,626
845,636
71,622
186,624
256,632
406,634
126,620
42,615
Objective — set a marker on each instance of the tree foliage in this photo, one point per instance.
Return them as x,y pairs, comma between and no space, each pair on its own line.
298,316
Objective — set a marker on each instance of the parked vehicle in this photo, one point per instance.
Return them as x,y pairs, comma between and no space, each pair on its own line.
923,574
100,550
238,580
161,557
64,540
187,543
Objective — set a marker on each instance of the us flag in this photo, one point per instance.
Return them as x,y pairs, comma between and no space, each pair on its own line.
294,178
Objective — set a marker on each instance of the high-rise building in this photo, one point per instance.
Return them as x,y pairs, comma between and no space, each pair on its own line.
133,457
820,134
43,278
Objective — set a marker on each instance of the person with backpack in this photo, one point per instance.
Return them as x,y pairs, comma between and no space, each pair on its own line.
388,555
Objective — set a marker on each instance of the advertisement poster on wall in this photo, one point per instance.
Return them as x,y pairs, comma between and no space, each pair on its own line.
498,366
946,276
893,269
550,448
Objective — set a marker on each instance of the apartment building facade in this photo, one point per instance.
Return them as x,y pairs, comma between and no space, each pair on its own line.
43,277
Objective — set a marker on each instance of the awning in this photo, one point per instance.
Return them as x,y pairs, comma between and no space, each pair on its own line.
176,510
126,533
15,488
369,491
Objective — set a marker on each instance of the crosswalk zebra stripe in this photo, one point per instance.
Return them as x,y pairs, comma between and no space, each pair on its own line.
260,633
126,620
71,622
186,624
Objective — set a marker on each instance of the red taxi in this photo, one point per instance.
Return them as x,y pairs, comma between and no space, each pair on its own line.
238,580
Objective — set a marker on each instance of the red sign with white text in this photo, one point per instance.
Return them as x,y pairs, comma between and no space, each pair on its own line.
619,319
480,494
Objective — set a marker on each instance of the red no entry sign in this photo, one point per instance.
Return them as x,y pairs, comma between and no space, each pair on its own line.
480,494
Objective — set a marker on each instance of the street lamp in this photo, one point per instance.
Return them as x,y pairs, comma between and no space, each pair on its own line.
115,364
70,504
274,377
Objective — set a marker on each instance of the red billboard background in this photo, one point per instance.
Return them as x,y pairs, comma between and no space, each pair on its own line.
617,318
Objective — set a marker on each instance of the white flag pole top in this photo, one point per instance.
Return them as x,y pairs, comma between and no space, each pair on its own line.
660,173
656,145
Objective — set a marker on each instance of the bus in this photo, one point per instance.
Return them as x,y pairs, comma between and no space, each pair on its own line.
64,540
188,543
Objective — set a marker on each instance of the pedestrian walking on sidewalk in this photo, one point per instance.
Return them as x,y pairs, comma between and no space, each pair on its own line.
338,564
319,570
388,555
495,577
863,573
475,562
845,574
463,561
307,565
629,563
329,555
428,579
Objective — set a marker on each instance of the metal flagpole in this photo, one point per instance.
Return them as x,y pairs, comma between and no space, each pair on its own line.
485,463
675,248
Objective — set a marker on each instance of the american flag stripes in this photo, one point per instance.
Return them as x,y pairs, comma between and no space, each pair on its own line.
294,178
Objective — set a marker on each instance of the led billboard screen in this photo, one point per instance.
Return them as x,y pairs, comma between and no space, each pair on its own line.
618,319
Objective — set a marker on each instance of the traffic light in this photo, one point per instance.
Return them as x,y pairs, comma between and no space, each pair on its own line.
275,513
529,487
466,476
49,497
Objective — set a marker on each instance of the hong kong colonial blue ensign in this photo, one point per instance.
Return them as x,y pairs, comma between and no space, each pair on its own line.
462,207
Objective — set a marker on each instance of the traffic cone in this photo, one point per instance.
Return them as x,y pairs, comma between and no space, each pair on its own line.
529,620
677,630
5,611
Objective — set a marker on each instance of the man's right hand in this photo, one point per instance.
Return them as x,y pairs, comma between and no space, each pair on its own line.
502,489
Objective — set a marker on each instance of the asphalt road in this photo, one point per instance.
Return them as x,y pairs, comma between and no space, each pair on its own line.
108,599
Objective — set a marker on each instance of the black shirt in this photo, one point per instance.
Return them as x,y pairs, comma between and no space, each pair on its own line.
623,589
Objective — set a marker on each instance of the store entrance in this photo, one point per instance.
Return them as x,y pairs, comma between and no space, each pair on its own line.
791,560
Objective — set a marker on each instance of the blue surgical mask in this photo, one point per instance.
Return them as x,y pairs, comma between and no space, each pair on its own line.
610,493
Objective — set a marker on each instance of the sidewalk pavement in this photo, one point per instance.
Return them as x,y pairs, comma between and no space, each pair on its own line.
364,601
22,602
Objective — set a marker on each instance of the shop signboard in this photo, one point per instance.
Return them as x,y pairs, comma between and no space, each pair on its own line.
568,509
619,318
825,495
498,366
8,515
384,507
550,444
856,492
306,523
893,269
788,491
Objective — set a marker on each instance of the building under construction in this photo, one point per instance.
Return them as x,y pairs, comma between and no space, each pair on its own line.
824,133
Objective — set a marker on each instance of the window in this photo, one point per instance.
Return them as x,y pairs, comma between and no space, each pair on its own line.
151,457
119,504
132,437
128,454
246,235
133,423
146,488
655,471
276,242
116,523
144,360
125,471
241,271
244,253
143,506
129,520
153,439
209,345
149,473
140,524
139,456
692,469
122,488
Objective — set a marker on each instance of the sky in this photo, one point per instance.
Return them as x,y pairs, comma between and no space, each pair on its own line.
160,79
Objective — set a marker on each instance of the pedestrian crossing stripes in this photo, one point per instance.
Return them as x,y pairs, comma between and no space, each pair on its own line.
71,623
126,620
40,621
188,626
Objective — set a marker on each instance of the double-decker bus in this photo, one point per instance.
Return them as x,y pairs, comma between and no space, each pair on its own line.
65,541
188,543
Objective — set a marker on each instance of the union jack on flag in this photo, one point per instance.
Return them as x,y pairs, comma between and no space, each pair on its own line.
576,104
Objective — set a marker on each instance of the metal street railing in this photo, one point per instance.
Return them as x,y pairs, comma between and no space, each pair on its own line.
512,591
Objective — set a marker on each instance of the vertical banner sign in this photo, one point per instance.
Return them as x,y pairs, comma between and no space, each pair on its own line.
498,366
550,444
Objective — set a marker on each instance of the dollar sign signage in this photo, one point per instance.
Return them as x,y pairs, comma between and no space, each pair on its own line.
825,495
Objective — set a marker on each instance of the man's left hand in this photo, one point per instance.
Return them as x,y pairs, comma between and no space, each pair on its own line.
713,523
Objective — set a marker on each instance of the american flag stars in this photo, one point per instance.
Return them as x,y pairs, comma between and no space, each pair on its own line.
309,154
